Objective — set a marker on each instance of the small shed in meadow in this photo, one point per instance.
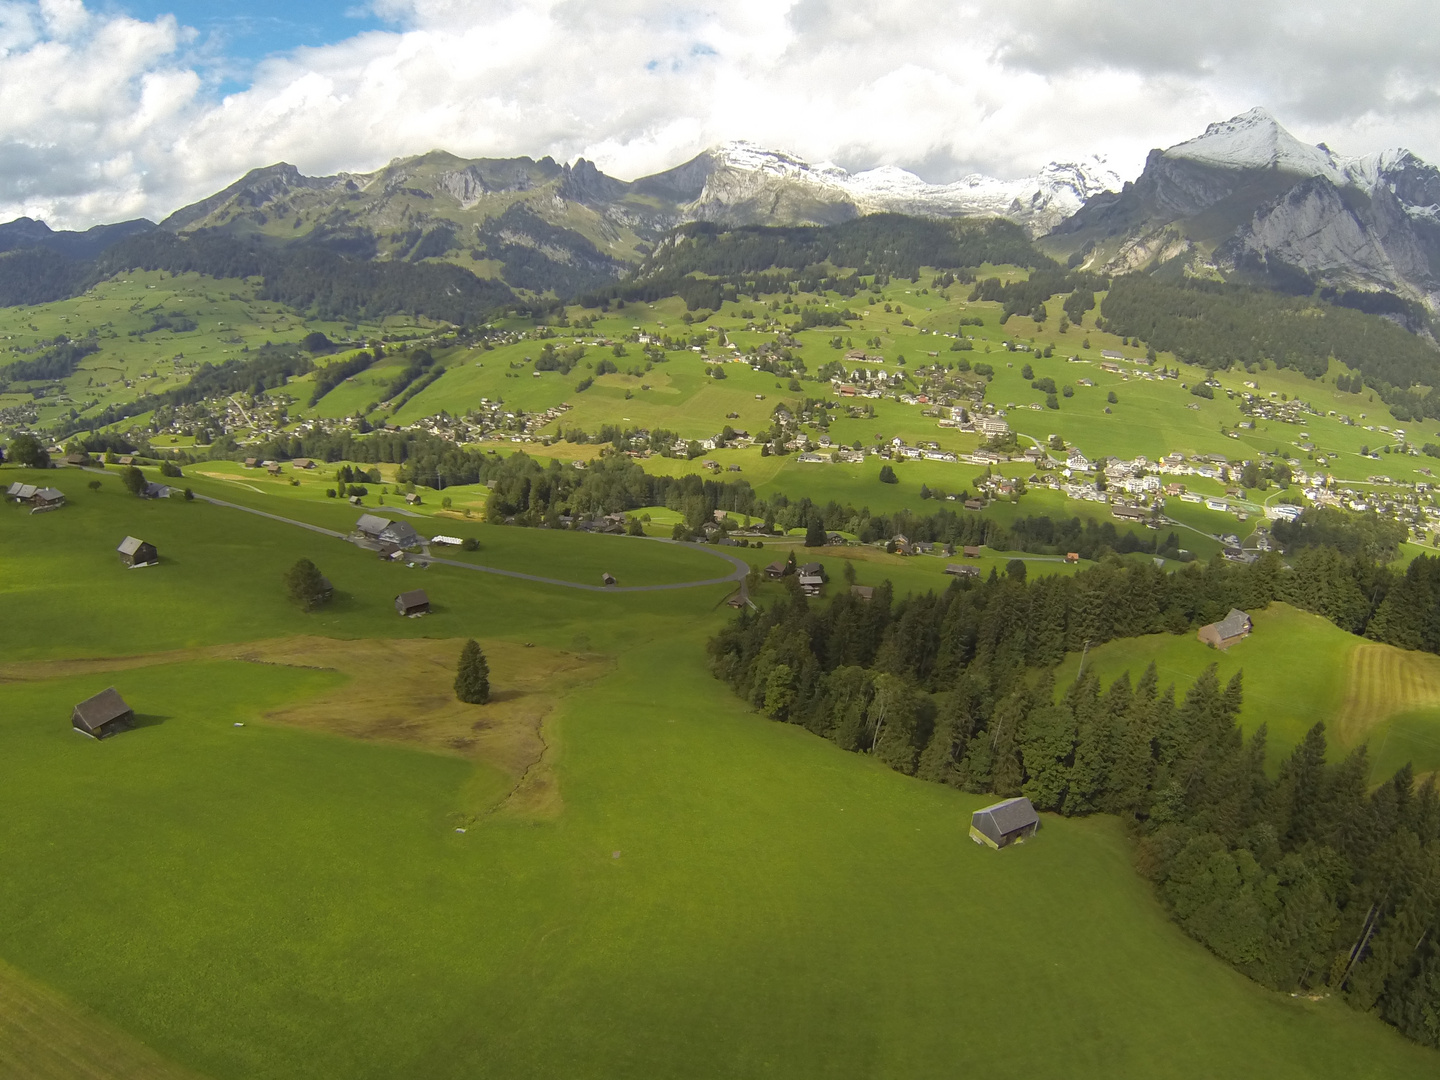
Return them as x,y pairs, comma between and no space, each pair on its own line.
971,551
412,603
863,592
136,552
1004,823
102,715
607,579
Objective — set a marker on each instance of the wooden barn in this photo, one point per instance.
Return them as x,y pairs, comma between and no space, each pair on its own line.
1004,823
607,579
47,498
102,715
136,552
413,603
1221,635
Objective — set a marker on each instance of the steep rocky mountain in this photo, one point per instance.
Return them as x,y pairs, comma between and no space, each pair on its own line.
743,184
543,226
1246,199
28,234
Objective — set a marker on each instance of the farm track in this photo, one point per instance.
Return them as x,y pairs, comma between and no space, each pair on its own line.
739,567
45,1037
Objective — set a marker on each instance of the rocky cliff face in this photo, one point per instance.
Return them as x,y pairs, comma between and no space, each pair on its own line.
1247,193
740,183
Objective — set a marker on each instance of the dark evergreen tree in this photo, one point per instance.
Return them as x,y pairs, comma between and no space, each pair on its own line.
472,678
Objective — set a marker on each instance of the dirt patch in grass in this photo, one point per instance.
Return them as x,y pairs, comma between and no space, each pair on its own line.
43,1036
402,692
1383,681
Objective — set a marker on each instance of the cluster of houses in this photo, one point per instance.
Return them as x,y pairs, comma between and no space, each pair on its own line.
39,499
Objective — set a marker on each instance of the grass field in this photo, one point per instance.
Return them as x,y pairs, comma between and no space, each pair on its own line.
683,889
1299,670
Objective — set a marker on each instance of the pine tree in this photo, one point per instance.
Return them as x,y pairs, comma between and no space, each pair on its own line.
472,680
815,533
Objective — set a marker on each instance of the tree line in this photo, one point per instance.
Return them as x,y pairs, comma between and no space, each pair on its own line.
1304,881
1218,326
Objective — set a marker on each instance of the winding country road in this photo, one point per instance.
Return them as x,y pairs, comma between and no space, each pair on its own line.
739,568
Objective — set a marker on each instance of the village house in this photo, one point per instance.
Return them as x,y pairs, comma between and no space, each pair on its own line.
1221,635
47,498
775,571
961,570
1001,824
863,592
103,715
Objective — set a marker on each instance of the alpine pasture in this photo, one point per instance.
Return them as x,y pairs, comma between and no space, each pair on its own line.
268,877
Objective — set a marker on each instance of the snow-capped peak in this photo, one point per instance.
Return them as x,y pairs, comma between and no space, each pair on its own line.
1255,140
1041,201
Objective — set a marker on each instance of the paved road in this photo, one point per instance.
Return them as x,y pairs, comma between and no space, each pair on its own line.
739,568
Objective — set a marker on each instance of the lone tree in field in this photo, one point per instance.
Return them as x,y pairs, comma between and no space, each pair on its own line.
472,680
133,479
306,585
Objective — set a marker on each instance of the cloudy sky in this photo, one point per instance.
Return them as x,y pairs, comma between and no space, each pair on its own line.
121,108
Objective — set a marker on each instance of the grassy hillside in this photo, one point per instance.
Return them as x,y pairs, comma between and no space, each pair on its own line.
692,890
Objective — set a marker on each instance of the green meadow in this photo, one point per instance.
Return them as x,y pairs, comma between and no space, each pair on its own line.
707,893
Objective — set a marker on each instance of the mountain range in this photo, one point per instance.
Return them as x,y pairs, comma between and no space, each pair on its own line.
1244,200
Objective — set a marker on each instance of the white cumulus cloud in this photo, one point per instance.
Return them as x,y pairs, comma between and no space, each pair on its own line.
103,116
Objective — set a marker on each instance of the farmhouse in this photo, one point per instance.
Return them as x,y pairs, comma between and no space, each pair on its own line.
400,533
1221,635
810,584
302,463
20,493
136,552
863,592
412,604
104,714
1010,822
971,551
47,499
961,570
775,571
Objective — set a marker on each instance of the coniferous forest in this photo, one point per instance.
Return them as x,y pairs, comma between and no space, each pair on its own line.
1305,881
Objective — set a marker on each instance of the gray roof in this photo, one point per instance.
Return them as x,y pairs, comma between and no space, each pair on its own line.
811,579
371,525
130,545
401,533
101,709
413,598
1234,624
1010,815
812,568
18,490
49,494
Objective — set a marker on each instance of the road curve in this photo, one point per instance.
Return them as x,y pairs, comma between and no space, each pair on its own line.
739,568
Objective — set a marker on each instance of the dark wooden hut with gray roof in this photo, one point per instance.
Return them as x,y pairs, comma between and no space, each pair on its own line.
412,603
102,715
136,552
1004,823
